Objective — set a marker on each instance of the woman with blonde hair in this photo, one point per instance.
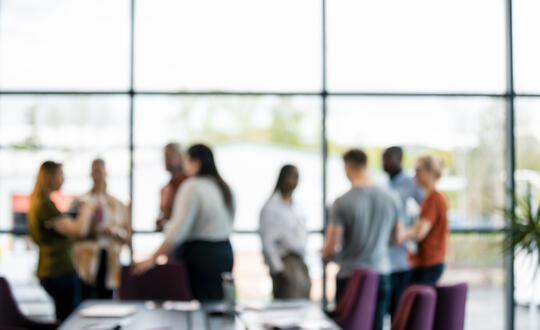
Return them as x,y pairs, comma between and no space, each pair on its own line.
97,256
52,232
431,231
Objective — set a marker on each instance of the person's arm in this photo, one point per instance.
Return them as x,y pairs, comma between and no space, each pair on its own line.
428,217
332,241
142,267
270,234
186,204
185,208
122,231
398,233
419,231
75,228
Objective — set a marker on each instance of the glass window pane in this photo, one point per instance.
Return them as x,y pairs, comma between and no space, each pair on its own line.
467,133
78,122
71,130
228,45
527,176
252,138
526,46
419,45
64,44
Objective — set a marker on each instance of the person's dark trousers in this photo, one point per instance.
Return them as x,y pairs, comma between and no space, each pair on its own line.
65,292
341,283
205,262
427,275
99,290
400,281
383,298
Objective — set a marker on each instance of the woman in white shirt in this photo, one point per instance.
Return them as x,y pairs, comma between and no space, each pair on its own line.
200,225
284,235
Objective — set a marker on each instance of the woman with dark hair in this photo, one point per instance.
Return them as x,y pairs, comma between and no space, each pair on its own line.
200,225
283,234
52,232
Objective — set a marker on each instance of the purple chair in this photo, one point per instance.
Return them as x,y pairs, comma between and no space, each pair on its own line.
356,308
163,282
450,309
11,316
416,309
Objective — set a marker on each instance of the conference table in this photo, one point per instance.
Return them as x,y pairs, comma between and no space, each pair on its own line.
295,314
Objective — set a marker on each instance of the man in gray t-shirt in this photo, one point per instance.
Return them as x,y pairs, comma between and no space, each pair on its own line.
363,222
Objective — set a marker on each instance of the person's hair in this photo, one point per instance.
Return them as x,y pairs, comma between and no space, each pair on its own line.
98,161
356,157
176,147
282,174
394,151
432,164
208,168
47,171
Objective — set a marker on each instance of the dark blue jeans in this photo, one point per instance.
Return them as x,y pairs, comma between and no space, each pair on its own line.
65,292
383,297
205,262
400,281
427,275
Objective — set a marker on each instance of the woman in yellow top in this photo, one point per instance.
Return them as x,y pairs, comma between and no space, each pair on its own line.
52,232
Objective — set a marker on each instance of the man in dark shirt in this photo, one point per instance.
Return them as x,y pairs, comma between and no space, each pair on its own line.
173,165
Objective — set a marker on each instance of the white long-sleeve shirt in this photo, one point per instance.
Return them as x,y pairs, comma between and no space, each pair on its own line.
283,230
199,213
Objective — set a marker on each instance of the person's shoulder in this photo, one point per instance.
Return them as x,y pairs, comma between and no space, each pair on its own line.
344,197
439,197
268,203
192,181
190,185
384,192
115,200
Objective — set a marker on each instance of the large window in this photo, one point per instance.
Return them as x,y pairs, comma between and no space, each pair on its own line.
418,45
466,132
267,83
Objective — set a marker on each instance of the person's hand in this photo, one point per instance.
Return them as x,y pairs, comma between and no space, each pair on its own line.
142,267
114,232
87,209
160,224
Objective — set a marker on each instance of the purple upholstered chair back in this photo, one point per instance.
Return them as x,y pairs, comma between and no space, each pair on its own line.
356,308
416,309
12,317
450,309
163,282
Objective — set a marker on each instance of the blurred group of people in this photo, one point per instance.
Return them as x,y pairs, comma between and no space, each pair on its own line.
369,226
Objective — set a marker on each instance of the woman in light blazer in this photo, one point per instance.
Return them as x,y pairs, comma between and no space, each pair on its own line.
97,256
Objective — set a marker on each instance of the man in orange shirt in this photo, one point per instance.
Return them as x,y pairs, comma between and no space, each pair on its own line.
173,164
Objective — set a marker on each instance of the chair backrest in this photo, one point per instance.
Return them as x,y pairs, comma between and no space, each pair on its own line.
450,308
163,282
356,308
11,317
10,314
416,309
